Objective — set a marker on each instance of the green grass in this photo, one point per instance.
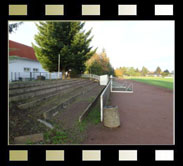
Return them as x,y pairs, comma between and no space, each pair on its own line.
75,135
94,115
157,81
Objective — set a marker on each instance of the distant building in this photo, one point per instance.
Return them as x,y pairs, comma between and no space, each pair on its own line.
23,63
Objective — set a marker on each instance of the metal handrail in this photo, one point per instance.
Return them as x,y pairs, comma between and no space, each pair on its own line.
101,100
91,76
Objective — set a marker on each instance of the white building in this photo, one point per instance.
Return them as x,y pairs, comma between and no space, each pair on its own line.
23,63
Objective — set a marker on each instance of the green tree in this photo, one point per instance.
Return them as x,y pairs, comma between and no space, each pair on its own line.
14,26
67,39
144,71
165,73
158,71
131,71
99,64
137,72
124,70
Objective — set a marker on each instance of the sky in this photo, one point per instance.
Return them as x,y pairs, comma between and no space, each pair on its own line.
127,43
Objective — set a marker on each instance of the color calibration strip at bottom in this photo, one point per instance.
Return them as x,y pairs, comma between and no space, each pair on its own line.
91,155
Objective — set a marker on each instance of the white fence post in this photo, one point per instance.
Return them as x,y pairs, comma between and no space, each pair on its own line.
101,108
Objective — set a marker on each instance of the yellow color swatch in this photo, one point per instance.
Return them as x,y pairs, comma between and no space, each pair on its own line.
54,155
90,9
127,155
54,9
18,155
17,10
91,155
127,10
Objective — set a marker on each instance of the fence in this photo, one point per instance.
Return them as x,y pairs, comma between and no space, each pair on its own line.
28,76
113,86
91,76
121,87
104,97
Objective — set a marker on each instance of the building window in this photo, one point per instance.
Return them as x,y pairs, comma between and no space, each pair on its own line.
35,70
26,69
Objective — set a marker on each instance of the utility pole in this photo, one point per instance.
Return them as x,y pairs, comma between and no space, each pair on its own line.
58,66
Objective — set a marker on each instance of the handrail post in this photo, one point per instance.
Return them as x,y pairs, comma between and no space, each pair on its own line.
101,108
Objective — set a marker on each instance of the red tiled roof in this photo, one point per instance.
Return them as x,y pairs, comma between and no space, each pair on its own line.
21,50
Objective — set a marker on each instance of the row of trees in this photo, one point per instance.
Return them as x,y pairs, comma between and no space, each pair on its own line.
130,71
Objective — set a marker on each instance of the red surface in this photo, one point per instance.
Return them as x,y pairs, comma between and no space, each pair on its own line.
21,50
146,118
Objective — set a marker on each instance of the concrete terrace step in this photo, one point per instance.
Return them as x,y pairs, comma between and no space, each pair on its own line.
67,101
38,83
19,91
61,88
33,83
36,100
35,93
51,102
77,110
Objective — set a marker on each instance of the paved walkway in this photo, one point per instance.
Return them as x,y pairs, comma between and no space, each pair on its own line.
146,118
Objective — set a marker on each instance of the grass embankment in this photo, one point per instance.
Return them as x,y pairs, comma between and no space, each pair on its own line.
58,135
157,81
75,135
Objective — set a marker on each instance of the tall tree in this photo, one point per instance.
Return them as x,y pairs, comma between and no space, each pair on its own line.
67,39
144,71
158,71
99,64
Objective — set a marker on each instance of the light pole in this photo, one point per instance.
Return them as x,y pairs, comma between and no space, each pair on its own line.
58,66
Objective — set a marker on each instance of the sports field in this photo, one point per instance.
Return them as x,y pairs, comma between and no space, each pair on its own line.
157,81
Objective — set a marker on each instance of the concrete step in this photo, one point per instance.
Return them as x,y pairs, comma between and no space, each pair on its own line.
67,101
51,102
60,89
35,93
78,110
38,99
15,92
34,83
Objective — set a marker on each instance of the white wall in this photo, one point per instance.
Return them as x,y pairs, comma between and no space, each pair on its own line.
104,79
18,65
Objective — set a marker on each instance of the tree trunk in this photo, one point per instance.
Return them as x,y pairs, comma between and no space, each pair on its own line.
69,75
63,74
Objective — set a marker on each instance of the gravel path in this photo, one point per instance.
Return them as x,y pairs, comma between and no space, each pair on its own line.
146,118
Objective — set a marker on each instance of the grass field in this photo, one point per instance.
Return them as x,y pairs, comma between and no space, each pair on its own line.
157,81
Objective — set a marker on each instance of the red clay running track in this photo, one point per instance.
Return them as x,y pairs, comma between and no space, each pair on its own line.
146,118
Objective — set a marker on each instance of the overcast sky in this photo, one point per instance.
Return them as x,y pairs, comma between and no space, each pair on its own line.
127,43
